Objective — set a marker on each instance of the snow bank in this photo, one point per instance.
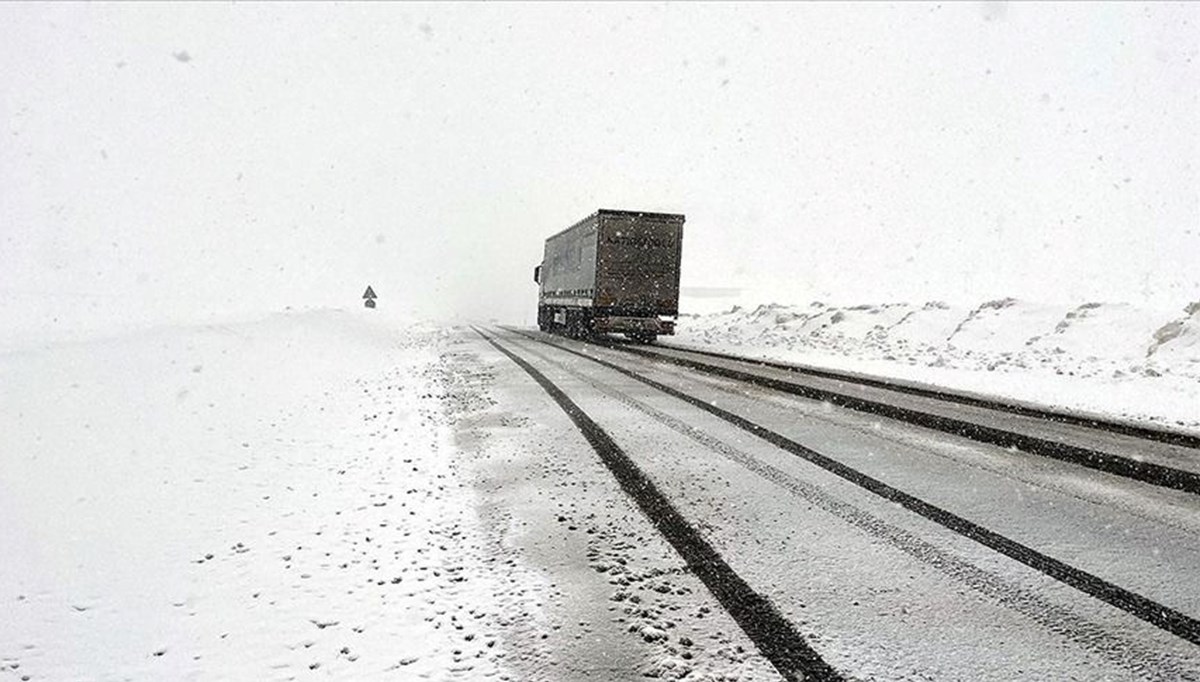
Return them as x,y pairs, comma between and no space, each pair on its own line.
1112,359
1178,341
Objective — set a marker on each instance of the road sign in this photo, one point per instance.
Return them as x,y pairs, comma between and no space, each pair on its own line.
370,297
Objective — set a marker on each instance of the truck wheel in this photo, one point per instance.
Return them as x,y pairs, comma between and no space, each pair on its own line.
579,324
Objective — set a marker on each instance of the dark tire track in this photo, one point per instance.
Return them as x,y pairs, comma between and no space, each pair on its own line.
1159,615
774,635
1160,435
1129,654
1146,472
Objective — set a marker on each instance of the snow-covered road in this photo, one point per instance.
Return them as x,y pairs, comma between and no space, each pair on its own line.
884,593
334,495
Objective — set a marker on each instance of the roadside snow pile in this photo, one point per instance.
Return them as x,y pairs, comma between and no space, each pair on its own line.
1112,359
1178,341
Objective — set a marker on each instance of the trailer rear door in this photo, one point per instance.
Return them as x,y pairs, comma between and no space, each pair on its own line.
638,263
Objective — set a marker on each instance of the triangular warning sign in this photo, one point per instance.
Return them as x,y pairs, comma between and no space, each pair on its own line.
369,293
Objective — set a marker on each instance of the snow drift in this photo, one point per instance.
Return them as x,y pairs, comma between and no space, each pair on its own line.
1115,359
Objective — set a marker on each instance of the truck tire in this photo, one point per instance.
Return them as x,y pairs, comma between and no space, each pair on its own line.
579,323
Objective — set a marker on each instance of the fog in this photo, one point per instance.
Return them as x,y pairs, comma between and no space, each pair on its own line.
167,162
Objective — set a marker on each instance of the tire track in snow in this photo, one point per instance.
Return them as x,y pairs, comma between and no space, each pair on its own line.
1117,465
1159,615
900,436
1124,652
774,635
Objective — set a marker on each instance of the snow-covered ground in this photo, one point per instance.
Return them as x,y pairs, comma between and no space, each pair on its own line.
355,496
247,501
1116,360
322,494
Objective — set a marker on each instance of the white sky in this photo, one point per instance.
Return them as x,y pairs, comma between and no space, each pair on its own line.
160,161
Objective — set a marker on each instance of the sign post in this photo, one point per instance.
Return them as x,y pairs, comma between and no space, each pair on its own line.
369,297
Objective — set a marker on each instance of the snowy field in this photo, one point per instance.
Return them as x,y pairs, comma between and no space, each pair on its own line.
1120,361
245,502
322,494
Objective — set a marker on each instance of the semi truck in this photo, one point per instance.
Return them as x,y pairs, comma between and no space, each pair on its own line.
612,272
